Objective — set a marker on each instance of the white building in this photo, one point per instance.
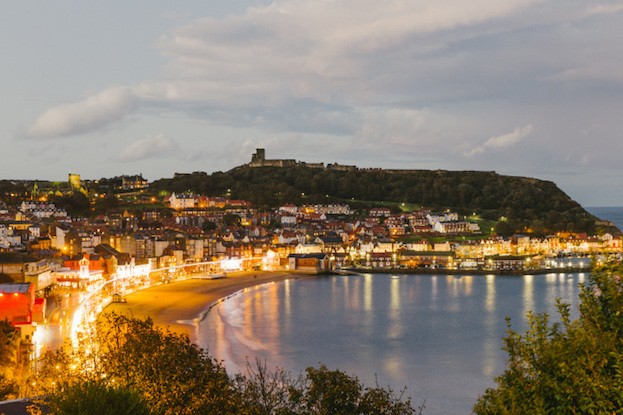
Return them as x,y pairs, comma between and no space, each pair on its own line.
289,208
287,220
183,201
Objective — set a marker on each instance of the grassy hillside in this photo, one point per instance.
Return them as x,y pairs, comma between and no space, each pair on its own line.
518,204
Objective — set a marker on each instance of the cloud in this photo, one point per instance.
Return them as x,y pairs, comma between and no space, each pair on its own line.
325,50
325,67
604,9
501,141
91,114
319,58
158,146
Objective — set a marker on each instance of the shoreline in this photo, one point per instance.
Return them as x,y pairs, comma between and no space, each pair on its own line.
452,271
180,306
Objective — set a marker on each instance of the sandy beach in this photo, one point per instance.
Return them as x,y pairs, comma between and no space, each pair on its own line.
179,305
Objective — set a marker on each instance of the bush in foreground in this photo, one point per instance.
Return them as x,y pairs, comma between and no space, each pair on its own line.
571,367
132,362
96,398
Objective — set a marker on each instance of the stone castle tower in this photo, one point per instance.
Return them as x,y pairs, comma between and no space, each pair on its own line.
258,159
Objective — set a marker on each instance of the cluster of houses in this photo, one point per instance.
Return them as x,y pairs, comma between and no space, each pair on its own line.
41,246
377,239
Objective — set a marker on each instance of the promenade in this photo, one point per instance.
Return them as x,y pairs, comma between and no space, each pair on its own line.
178,306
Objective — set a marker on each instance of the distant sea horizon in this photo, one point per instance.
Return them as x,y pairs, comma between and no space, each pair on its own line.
612,213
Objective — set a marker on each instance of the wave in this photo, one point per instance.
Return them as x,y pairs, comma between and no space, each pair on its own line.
226,332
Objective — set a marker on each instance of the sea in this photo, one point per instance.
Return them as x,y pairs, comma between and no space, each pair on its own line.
613,214
438,336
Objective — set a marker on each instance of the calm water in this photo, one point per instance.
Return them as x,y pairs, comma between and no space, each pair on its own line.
440,336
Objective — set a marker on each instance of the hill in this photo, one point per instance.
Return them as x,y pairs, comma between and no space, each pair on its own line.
518,204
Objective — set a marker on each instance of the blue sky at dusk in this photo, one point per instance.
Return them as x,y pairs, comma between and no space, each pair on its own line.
522,87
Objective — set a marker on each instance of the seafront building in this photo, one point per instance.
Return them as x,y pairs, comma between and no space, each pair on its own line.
44,250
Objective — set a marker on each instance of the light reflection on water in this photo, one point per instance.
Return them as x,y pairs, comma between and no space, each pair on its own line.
441,336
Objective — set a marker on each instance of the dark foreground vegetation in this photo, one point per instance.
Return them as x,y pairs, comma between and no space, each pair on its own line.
574,366
135,368
525,204
571,367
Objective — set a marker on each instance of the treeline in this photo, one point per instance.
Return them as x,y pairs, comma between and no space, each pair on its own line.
131,367
524,204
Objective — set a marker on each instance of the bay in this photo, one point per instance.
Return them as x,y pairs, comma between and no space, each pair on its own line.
440,336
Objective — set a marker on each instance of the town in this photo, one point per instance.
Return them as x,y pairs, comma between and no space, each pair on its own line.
133,237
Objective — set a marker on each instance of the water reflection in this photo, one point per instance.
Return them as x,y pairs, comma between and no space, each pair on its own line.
367,292
286,317
439,335
354,301
490,296
395,293
394,329
468,285
528,293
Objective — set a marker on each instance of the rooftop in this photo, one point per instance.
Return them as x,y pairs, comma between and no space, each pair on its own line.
14,288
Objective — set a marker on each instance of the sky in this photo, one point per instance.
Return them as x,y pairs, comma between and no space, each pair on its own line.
522,87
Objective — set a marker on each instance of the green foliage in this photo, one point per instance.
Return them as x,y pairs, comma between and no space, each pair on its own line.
107,204
229,219
529,204
75,203
319,392
571,367
131,362
208,226
505,228
332,392
266,392
175,376
12,193
96,398
8,364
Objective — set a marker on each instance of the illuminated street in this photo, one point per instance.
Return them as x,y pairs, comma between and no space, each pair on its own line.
72,313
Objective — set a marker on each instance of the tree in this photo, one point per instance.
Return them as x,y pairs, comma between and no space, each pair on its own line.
230,219
76,203
571,367
332,392
95,398
174,375
266,392
208,226
319,391
107,204
505,228
171,375
8,363
130,361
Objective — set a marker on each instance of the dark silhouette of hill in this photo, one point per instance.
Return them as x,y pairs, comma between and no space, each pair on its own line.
520,204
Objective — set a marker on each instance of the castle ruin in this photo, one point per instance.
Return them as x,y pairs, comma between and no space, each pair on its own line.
258,159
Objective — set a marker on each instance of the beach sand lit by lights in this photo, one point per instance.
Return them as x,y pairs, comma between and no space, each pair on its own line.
178,306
